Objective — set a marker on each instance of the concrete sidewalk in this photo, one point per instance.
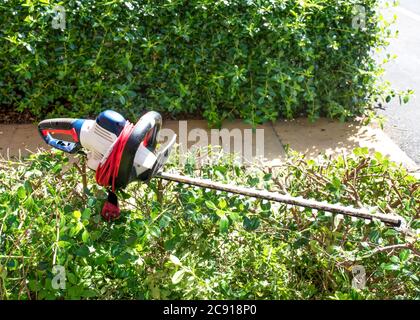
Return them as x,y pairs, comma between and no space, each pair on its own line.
333,138
313,139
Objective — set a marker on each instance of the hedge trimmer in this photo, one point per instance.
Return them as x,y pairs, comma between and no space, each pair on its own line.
121,153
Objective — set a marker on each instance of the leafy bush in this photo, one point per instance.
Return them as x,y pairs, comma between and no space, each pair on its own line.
192,243
256,60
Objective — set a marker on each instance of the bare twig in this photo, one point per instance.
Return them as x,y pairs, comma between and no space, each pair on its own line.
82,172
57,224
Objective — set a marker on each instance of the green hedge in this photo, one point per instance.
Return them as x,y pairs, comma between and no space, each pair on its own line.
255,59
177,242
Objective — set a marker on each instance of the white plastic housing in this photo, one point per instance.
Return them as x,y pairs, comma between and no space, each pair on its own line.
97,141
143,160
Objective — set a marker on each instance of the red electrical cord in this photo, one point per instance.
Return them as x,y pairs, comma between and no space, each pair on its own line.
108,171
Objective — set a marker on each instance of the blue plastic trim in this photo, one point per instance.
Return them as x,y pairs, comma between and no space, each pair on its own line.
111,121
77,125
69,147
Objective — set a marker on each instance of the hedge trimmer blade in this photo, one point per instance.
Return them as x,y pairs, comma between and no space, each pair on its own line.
391,220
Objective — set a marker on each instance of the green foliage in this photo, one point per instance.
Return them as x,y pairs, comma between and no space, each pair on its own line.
175,242
255,60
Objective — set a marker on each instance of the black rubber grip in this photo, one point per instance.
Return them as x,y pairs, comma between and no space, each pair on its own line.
60,123
63,126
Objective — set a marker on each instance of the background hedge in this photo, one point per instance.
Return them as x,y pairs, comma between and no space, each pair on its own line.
254,59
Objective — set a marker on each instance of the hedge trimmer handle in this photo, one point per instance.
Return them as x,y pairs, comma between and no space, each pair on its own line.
147,128
64,126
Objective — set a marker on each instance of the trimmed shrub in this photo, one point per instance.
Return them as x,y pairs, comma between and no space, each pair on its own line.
177,242
256,59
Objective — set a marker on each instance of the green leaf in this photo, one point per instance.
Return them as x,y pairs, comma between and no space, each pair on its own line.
77,214
3,272
361,151
155,231
34,285
85,236
64,244
76,229
395,259
234,216
251,224
404,254
390,267
21,192
210,205
164,221
267,177
71,277
223,224
129,65
222,204
177,277
89,293
155,292
378,156
86,214
82,251
175,260
57,168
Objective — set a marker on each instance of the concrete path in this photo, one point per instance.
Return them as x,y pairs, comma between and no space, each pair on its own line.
335,138
313,139
403,124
